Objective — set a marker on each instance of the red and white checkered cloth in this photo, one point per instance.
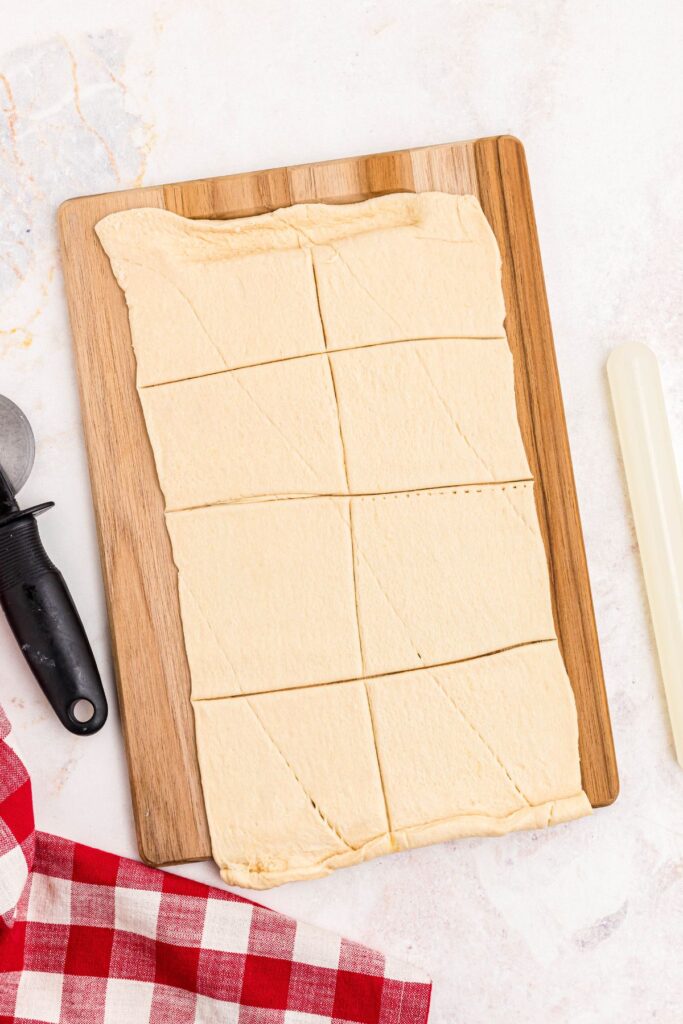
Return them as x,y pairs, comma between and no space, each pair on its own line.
87,937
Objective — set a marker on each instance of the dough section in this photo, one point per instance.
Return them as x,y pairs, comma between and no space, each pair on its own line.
393,417
325,777
305,591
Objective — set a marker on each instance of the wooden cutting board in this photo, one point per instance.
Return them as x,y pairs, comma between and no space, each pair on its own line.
139,574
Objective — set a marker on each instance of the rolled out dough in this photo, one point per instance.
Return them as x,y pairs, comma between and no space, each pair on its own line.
329,394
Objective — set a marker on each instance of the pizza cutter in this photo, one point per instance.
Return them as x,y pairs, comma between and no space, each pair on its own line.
34,596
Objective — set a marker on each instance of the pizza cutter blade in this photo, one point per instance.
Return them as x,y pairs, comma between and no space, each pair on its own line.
34,596
17,444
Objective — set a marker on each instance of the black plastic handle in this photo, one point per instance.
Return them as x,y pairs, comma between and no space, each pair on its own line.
48,629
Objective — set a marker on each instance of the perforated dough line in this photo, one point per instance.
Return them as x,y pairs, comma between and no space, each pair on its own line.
262,499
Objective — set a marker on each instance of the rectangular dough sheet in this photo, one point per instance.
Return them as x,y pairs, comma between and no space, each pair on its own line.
364,591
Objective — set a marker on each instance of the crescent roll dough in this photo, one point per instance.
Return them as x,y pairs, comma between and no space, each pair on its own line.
329,394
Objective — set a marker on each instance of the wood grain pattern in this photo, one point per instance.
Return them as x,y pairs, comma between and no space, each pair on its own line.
506,199
153,679
139,574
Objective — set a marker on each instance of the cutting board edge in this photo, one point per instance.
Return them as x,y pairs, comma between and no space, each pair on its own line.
141,189
156,847
529,314
135,197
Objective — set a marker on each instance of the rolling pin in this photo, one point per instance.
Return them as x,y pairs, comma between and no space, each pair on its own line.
655,495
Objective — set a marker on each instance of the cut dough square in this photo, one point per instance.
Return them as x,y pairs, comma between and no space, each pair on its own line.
428,413
446,575
298,771
438,277
197,304
478,743
271,429
266,595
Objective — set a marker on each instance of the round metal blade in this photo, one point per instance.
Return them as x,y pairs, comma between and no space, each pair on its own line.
17,444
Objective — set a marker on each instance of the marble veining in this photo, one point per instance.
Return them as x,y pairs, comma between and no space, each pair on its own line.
581,924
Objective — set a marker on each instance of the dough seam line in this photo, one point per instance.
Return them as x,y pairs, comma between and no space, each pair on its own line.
449,413
345,467
501,764
309,796
322,354
361,651
188,301
378,675
263,499
314,803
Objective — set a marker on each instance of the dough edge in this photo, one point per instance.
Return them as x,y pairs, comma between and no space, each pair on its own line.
280,229
535,816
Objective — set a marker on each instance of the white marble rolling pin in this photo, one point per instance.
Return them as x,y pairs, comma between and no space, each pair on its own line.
657,508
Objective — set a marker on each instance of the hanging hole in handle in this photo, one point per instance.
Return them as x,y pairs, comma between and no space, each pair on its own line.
82,711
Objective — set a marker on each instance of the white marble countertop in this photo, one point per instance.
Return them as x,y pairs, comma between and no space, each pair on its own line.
583,923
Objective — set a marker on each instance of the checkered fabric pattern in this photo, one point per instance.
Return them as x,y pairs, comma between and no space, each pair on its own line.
88,937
